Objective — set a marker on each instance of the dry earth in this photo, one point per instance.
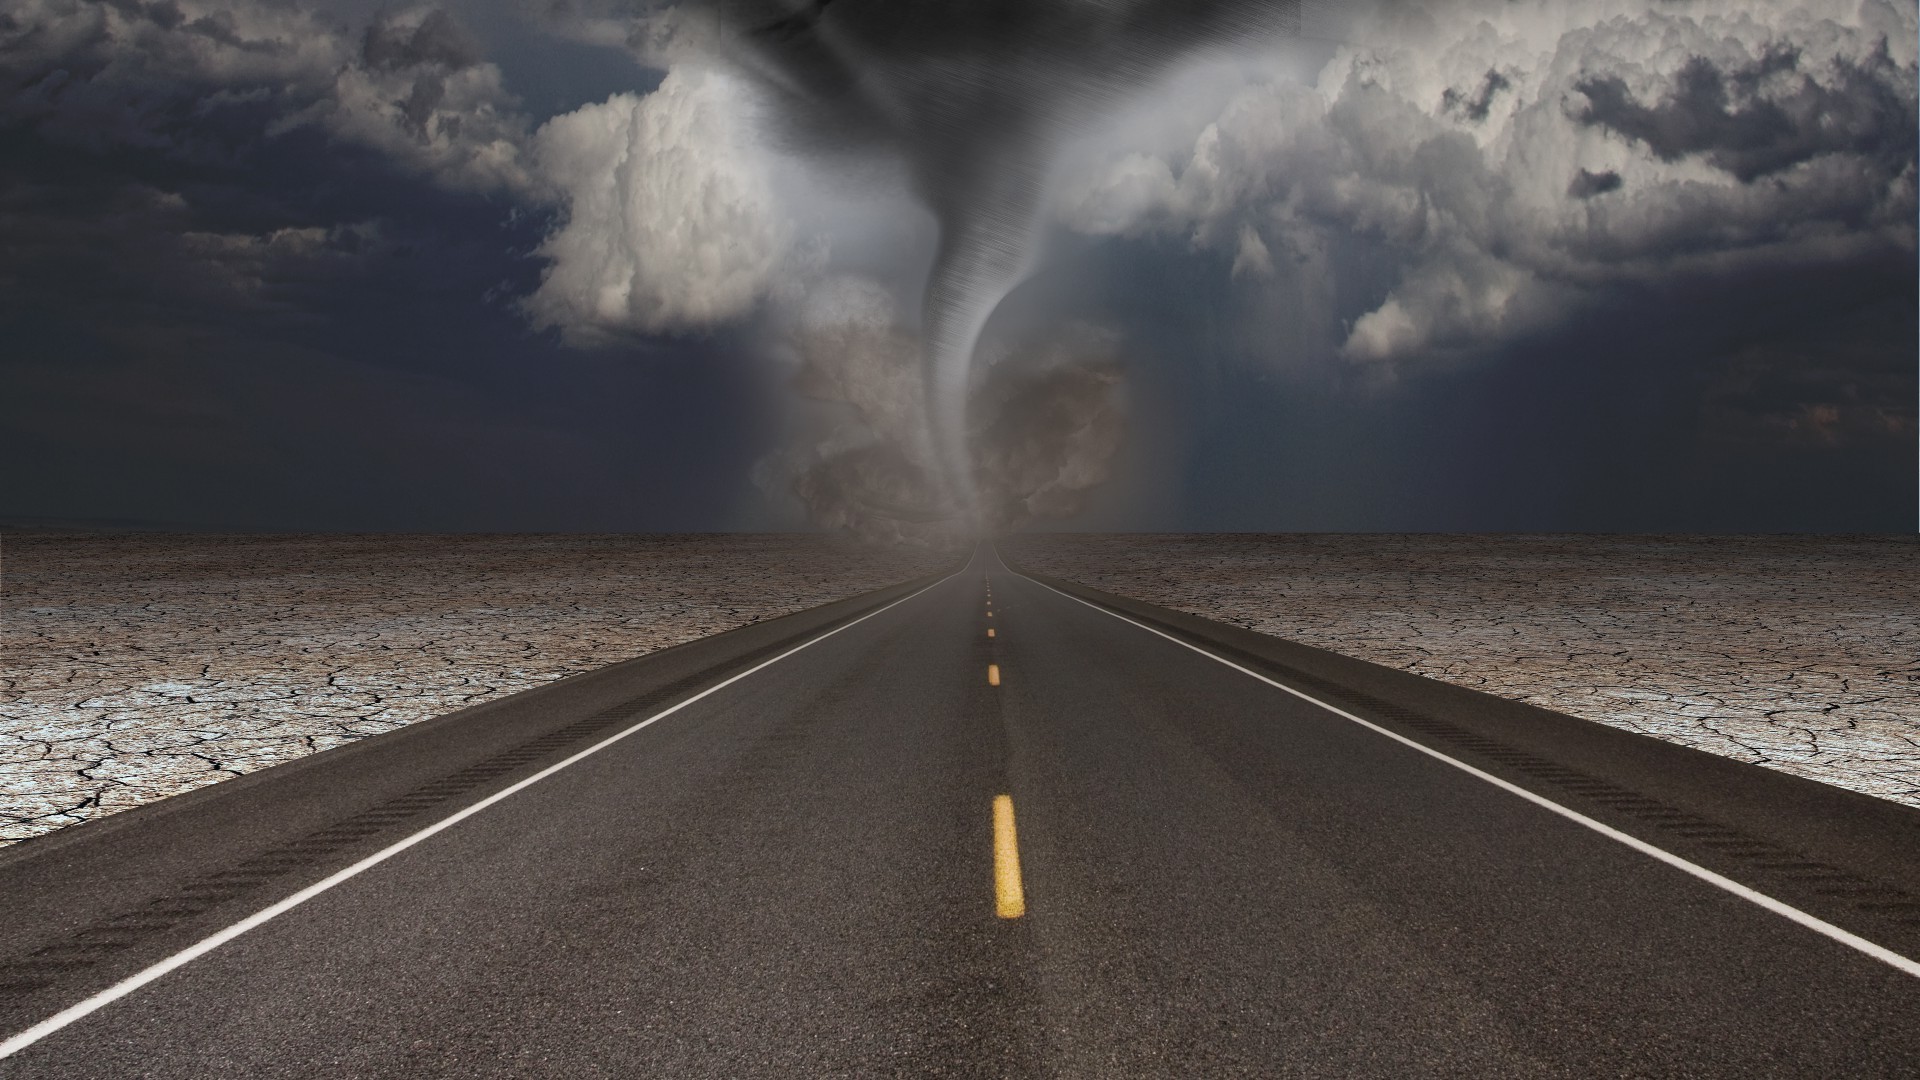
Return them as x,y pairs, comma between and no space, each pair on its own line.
133,667
1798,653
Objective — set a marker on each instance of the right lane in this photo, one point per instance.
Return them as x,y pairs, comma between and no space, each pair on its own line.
1221,878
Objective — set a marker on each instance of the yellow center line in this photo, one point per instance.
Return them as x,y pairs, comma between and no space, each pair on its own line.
993,674
989,631
1009,899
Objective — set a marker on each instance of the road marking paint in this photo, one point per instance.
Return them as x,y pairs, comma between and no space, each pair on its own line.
989,631
993,674
207,944
1009,899
1754,896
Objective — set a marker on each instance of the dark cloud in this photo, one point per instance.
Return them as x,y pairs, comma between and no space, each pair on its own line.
436,40
438,44
166,14
1586,184
210,89
1475,105
427,94
1765,116
1838,379
220,27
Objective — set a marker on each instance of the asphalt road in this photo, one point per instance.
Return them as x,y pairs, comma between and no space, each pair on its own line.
795,875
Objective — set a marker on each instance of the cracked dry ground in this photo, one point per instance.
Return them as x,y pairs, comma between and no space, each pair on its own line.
141,666
1798,653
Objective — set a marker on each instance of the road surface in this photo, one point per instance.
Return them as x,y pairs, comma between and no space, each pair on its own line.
872,840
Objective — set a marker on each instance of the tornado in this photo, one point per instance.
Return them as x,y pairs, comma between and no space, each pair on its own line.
973,97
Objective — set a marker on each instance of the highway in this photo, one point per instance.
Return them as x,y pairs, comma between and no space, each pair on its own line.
981,825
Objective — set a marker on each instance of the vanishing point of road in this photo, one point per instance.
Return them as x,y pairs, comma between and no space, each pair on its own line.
984,825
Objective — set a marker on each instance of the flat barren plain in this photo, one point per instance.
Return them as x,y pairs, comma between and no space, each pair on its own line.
137,666
1799,653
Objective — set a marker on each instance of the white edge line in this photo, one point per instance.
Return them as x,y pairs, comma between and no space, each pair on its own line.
1811,922
206,945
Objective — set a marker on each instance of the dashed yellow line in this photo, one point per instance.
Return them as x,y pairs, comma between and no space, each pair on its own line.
993,674
989,631
1009,899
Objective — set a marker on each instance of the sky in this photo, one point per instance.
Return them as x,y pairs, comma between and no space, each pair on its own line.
907,268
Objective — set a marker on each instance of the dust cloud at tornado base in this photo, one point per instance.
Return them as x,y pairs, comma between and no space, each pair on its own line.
1045,419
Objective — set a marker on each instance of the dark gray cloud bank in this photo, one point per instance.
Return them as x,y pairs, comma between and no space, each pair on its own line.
912,268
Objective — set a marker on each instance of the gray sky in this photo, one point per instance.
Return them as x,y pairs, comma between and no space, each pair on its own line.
1616,265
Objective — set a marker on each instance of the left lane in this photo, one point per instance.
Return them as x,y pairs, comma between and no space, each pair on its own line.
793,873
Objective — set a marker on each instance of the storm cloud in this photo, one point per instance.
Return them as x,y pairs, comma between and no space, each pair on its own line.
1765,116
203,80
1518,162
885,230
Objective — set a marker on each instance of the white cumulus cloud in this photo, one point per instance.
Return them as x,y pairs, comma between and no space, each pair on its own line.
672,220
